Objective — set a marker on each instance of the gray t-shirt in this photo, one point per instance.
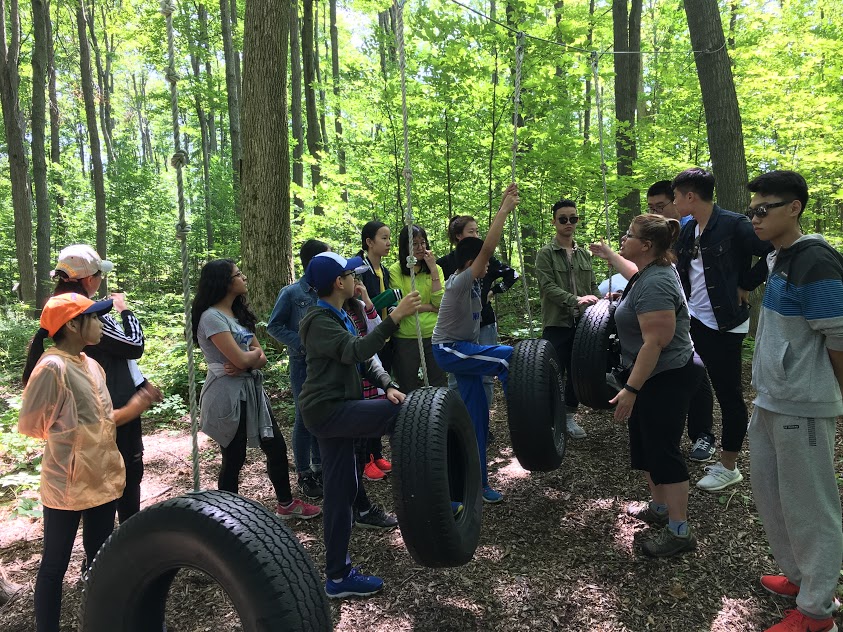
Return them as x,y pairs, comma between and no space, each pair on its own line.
459,312
214,322
655,290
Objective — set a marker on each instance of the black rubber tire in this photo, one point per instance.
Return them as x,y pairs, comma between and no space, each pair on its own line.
535,406
435,461
596,353
246,549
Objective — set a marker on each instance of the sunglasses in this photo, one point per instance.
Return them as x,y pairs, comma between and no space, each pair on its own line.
695,252
762,210
563,219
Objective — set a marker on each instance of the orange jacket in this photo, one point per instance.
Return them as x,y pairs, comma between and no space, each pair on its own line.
66,402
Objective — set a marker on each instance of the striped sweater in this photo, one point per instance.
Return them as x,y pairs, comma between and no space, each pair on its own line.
801,319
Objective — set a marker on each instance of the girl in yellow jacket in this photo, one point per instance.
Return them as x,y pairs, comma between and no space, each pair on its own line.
66,403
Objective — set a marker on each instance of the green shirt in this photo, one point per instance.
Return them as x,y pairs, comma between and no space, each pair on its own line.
561,282
427,320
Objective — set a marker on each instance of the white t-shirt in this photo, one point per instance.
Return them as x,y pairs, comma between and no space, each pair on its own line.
699,303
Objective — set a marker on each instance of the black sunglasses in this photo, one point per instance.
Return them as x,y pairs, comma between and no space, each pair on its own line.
762,210
564,219
696,250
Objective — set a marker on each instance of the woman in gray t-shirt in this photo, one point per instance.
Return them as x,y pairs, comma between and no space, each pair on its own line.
652,322
234,409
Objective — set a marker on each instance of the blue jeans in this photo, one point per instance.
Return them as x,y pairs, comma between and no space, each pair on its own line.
305,445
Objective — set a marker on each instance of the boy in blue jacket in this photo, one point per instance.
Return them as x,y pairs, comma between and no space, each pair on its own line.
797,372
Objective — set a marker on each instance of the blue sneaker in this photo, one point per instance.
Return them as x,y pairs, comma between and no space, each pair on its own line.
491,496
457,507
355,584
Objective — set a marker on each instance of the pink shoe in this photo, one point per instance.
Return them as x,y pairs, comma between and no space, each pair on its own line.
298,509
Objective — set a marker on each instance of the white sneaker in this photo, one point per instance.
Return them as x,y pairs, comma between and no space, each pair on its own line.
718,477
574,429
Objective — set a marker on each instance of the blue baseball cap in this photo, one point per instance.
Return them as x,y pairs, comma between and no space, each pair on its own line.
325,267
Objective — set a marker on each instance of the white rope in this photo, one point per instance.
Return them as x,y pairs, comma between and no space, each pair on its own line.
408,175
603,167
516,99
178,160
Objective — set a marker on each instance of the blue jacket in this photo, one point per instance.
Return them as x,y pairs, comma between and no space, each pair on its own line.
726,247
292,304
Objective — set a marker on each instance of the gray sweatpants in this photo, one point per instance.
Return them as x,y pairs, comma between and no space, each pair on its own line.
795,490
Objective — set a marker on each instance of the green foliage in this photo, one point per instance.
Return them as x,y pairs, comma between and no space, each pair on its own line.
16,330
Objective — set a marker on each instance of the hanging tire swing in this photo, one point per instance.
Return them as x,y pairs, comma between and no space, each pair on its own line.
596,353
245,548
535,406
435,462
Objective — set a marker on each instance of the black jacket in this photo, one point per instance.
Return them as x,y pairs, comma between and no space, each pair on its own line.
726,247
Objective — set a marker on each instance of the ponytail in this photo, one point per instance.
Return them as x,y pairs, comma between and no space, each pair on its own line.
36,350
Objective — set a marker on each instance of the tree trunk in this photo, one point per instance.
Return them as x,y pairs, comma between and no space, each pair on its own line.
586,128
722,114
314,142
103,93
335,72
206,160
40,15
205,45
233,93
265,234
55,133
295,78
323,106
18,164
626,21
93,135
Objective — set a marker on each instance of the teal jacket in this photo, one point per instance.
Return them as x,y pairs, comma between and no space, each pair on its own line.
333,356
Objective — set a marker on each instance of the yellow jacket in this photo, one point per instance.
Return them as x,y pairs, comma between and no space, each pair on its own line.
424,283
66,402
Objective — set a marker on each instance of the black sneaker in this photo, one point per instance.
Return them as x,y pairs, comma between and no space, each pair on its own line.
666,543
703,450
375,518
309,486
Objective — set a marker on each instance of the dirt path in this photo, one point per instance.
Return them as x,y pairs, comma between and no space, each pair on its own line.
558,554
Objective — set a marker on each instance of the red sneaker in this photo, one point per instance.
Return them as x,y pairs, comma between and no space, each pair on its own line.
779,585
297,509
383,465
795,621
371,472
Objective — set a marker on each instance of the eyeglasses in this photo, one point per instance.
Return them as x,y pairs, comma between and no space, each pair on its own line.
239,275
631,235
763,209
564,219
419,244
657,208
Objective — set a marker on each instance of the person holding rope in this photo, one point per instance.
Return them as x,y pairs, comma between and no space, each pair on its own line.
797,373
498,280
429,279
80,269
660,378
235,410
66,403
567,287
455,345
714,260
333,407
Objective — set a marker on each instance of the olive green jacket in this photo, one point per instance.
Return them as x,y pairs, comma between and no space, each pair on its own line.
561,282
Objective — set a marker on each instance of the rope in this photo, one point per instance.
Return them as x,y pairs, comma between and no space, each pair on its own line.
408,174
603,167
178,161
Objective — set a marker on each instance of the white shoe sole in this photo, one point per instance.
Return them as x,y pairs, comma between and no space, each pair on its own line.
723,486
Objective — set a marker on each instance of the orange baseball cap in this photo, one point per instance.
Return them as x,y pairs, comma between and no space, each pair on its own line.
63,308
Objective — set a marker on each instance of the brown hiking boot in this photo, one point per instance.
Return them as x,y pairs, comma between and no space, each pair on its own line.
665,543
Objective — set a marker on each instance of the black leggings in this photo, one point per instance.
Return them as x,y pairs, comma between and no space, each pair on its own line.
234,457
129,503
60,528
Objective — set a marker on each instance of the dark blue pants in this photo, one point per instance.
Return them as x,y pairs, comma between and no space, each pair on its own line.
469,363
366,418
305,446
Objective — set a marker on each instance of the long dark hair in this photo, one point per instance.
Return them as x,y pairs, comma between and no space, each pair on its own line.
403,250
214,281
370,231
66,285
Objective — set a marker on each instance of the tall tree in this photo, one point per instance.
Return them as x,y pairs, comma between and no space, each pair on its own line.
93,133
314,137
40,16
195,50
104,79
626,26
720,100
266,239
335,74
18,165
295,101
55,126
232,88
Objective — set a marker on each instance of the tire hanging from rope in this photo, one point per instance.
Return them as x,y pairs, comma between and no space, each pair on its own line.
178,161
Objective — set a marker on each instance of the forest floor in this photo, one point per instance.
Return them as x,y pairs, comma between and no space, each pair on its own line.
558,554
